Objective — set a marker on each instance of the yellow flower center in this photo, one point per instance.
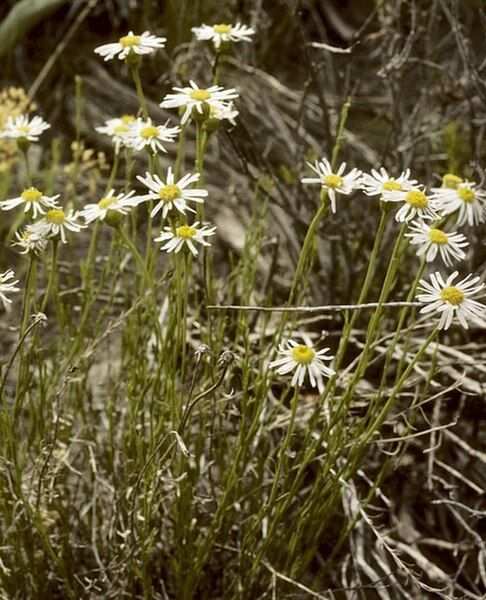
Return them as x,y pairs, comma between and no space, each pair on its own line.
31,195
127,41
452,295
332,181
303,354
391,186
121,128
149,132
451,181
24,128
106,202
55,216
436,236
466,194
200,95
169,192
222,28
186,232
417,199
127,119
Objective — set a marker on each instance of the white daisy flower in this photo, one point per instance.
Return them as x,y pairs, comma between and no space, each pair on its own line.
117,129
56,222
224,113
146,43
334,182
451,300
379,182
303,359
111,206
145,134
21,126
31,199
432,241
198,99
465,198
30,242
171,194
222,33
6,288
184,235
416,203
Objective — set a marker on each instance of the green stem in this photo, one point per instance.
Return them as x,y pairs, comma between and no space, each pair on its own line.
114,171
305,257
180,152
28,173
140,94
52,275
27,293
136,254
284,448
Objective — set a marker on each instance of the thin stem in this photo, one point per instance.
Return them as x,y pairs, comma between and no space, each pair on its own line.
52,275
140,94
135,253
180,152
284,447
28,173
27,293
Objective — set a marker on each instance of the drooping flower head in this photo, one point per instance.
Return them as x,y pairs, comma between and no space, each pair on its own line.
7,288
23,127
131,44
335,183
170,194
32,200
451,299
30,242
185,235
223,33
199,101
304,360
465,198
56,222
146,134
432,241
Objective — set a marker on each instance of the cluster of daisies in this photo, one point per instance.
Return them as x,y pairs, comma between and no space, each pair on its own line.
211,106
426,214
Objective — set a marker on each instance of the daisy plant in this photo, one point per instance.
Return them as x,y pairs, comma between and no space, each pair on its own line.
379,181
110,209
432,241
222,33
145,134
170,194
197,101
32,200
56,223
464,199
131,44
176,238
416,203
303,360
451,299
334,183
